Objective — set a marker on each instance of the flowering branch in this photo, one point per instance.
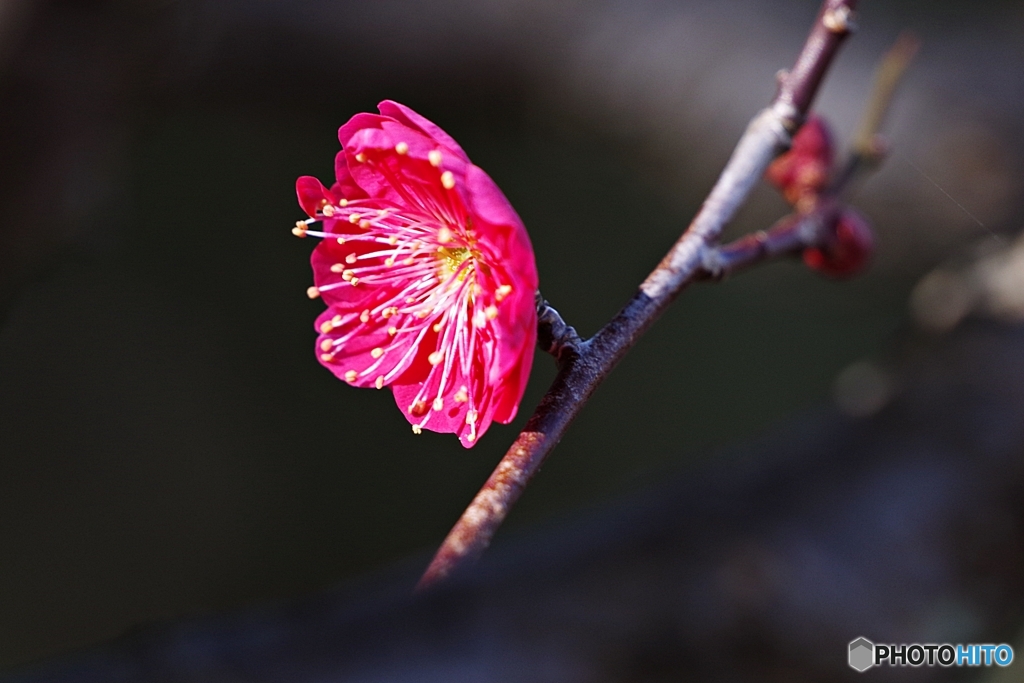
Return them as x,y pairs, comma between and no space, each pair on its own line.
583,365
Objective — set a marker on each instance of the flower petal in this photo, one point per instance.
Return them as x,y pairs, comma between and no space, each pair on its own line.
330,262
512,386
406,116
416,403
486,201
357,123
360,350
346,185
313,195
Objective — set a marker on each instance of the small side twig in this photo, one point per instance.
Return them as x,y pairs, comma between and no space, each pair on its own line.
789,236
580,372
869,148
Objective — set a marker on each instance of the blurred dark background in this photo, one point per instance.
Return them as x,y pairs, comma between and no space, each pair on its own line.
169,445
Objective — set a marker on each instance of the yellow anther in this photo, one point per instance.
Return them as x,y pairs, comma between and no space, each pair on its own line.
341,240
393,240
354,281
360,157
444,235
434,157
471,417
437,327
471,437
402,148
312,292
392,331
351,376
347,275
475,289
326,326
328,210
327,357
337,268
435,358
326,344
382,212
418,409
300,229
336,321
364,224
389,261
377,352
351,258
502,292
438,405
491,312
353,218
379,382
448,180
462,395
424,313
343,202
364,317
416,429
409,261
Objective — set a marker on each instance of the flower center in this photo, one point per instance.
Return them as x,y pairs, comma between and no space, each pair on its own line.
452,259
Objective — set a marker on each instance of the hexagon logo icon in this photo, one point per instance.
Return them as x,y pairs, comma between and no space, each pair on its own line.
862,654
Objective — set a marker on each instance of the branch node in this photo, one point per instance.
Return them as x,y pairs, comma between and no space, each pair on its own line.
785,120
840,20
712,263
554,336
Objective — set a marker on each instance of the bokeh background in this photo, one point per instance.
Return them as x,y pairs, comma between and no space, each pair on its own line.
169,445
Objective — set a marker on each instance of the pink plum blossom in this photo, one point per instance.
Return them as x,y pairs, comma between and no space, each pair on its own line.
427,272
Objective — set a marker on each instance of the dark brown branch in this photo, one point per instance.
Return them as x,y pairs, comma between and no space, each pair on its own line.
768,135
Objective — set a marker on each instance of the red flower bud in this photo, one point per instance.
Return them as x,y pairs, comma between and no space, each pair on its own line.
847,250
804,170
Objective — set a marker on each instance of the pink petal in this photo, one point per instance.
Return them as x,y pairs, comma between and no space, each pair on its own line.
334,289
345,186
404,115
487,202
357,123
452,418
312,194
365,358
512,386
